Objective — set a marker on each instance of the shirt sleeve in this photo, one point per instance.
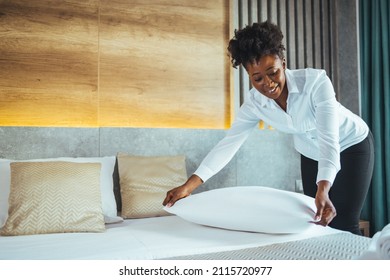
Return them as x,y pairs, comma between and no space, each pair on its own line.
326,112
224,151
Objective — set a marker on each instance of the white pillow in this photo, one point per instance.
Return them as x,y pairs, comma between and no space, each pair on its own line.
109,206
252,208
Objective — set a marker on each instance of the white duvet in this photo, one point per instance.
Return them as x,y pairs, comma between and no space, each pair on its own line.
143,239
379,248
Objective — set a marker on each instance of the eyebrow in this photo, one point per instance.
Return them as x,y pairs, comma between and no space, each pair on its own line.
265,70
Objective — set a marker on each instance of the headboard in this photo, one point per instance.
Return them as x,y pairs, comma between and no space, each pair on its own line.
267,158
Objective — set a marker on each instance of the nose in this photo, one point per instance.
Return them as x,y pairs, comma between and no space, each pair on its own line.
267,81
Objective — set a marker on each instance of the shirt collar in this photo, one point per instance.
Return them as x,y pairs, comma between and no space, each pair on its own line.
291,84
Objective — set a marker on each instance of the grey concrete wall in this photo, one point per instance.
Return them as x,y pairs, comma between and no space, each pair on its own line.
347,51
267,158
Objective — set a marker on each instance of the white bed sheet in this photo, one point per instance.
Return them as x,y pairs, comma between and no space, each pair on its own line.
143,239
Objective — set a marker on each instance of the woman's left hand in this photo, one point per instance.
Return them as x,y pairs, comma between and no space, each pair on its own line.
325,209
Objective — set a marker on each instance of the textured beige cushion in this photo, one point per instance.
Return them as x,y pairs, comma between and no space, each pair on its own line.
144,182
106,184
54,197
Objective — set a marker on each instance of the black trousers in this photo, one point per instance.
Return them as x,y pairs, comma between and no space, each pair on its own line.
350,187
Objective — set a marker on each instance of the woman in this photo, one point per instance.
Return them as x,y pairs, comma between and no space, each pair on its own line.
336,145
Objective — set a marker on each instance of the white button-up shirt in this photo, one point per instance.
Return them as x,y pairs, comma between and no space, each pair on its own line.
320,125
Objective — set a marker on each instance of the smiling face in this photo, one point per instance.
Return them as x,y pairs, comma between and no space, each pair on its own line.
268,77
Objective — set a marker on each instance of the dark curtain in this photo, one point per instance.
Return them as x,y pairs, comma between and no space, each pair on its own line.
374,20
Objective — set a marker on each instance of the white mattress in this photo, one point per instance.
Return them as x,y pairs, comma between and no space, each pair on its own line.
143,239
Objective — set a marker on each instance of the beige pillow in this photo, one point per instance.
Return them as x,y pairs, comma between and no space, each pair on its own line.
54,197
144,182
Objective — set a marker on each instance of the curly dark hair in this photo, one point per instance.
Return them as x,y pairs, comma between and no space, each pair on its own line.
252,42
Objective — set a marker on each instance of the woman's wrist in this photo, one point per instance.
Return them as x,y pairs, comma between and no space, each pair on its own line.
324,186
193,182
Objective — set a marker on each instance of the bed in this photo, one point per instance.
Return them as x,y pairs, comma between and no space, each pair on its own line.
219,229
171,237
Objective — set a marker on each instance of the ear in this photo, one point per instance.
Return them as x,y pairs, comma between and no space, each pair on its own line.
284,64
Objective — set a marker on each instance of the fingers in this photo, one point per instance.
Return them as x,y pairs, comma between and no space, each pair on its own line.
325,209
173,196
170,202
324,217
318,215
182,191
170,199
167,201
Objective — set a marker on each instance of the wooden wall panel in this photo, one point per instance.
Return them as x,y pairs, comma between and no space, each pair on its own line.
123,63
163,63
48,63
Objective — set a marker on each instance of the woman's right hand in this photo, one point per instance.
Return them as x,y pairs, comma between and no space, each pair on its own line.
182,191
325,209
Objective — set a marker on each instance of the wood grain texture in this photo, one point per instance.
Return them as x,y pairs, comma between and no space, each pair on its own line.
114,63
48,63
163,63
